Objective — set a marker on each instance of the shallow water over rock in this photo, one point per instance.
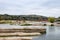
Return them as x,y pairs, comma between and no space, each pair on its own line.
8,26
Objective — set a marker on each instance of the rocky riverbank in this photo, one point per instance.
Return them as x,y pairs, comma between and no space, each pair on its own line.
20,34
15,38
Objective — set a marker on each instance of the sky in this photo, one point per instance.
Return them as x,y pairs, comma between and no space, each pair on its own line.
30,7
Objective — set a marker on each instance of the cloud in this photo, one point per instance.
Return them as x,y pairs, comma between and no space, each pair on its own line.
52,3
25,7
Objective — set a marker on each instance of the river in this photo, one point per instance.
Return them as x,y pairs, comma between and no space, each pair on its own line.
52,33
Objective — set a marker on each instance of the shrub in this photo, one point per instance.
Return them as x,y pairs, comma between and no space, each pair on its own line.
26,24
51,19
45,25
52,25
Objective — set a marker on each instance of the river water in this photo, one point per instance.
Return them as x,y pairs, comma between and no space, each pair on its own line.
52,33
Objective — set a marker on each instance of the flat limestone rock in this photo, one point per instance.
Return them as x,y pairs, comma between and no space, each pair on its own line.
16,38
19,34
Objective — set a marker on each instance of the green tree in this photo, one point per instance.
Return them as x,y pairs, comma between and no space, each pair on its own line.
51,19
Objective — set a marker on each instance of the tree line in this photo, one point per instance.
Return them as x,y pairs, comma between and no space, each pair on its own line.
23,17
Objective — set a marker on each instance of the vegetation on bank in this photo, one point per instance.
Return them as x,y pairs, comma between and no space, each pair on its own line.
5,21
44,24
16,19
52,25
51,19
26,24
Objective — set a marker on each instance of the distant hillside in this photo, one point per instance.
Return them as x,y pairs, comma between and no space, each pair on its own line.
23,17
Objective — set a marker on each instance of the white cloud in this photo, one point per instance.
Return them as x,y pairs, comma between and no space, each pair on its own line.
41,7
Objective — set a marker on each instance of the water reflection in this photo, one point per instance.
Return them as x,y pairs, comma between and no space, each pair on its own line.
53,33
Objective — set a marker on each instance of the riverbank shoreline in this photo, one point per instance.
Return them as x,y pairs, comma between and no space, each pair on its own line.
6,33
